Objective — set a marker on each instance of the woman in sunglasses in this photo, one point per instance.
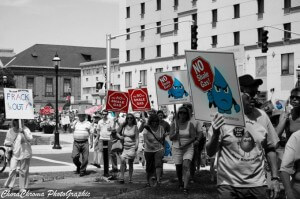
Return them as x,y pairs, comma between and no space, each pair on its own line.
130,136
289,121
183,135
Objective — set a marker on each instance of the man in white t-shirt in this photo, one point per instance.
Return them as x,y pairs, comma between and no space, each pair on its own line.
104,128
241,150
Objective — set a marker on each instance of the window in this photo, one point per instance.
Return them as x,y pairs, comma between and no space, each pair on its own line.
194,17
142,53
214,17
175,68
175,25
287,35
236,10
49,87
259,35
143,77
287,64
128,31
30,84
176,3
127,55
97,78
260,8
158,4
128,79
142,10
127,12
158,51
261,66
159,70
143,32
194,3
97,70
87,79
287,6
175,48
236,36
214,40
67,87
158,29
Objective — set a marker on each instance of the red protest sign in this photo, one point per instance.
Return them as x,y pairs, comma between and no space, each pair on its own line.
139,99
117,101
202,74
165,82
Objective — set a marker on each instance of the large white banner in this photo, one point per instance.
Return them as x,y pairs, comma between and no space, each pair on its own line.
172,87
214,86
18,103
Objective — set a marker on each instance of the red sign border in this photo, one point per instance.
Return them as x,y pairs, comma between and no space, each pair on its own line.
110,108
147,106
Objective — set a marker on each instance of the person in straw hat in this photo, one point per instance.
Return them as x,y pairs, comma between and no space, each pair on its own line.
83,129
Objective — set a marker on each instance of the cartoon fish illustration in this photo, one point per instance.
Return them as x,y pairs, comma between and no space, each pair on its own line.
177,91
221,96
247,142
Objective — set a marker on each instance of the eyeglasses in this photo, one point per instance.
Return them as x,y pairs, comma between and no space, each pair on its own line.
294,97
130,118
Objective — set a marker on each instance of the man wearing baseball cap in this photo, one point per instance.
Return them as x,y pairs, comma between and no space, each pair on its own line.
242,150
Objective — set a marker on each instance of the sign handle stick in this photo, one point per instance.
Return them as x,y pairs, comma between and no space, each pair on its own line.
20,123
176,124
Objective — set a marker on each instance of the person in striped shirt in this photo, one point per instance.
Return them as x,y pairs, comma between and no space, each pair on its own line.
83,130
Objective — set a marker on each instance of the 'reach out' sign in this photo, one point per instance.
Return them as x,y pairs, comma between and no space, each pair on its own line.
18,103
202,74
117,101
139,99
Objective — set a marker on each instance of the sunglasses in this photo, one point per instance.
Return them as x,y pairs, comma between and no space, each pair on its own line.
294,97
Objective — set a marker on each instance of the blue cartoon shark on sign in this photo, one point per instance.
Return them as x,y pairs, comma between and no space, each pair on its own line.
177,91
221,96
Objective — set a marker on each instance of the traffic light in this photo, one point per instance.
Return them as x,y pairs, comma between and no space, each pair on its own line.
99,85
264,41
194,38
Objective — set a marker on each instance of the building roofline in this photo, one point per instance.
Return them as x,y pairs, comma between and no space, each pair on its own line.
102,61
44,67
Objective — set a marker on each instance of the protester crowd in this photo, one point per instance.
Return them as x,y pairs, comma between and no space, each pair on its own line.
239,157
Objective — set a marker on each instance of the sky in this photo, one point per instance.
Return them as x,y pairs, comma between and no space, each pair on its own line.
24,23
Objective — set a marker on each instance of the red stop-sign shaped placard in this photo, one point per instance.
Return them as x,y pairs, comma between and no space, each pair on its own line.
139,99
117,101
165,82
202,74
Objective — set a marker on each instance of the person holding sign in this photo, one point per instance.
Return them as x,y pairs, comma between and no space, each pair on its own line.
240,151
19,139
183,135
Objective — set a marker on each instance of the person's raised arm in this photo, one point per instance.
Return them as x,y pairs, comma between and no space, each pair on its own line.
212,144
282,123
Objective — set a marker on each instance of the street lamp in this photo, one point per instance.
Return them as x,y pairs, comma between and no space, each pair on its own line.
56,63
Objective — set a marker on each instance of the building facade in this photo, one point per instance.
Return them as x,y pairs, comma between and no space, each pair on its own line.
94,72
33,69
234,26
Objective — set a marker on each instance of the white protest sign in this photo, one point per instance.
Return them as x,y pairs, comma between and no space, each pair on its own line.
18,103
214,86
172,87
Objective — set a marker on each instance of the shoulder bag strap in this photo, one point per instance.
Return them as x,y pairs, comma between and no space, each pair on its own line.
149,129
